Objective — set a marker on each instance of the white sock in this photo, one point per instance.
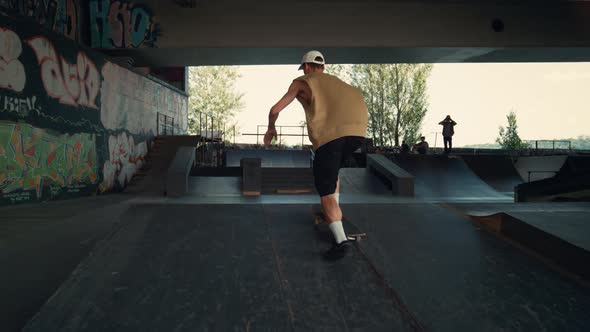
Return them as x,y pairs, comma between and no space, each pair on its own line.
338,231
337,195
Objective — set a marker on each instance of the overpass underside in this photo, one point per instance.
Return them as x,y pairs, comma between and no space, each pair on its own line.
278,32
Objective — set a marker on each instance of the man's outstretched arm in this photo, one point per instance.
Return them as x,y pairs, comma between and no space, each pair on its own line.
273,115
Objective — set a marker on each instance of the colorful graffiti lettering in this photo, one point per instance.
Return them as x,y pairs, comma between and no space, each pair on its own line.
73,84
12,71
22,106
51,151
125,158
66,21
121,24
59,15
31,158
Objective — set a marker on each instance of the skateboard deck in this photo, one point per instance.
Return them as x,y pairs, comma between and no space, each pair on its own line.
352,232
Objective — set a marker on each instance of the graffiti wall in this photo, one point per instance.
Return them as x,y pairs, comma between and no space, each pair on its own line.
122,24
61,16
36,163
72,123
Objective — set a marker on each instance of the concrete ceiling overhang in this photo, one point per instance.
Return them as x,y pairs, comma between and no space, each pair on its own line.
234,32
283,56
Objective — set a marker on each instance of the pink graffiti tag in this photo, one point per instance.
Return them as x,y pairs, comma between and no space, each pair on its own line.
73,84
12,71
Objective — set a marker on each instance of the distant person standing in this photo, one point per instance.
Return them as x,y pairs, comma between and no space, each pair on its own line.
422,146
448,132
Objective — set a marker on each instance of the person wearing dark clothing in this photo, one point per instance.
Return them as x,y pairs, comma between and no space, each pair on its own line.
448,132
422,146
405,148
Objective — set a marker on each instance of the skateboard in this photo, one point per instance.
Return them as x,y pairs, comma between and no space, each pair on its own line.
320,224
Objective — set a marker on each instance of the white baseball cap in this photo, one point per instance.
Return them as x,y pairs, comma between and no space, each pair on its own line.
312,57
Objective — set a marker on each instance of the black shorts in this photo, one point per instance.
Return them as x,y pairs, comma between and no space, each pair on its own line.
328,160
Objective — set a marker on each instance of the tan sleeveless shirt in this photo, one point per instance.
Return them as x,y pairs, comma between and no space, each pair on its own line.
336,109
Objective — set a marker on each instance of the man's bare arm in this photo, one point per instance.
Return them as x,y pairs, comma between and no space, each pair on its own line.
291,94
273,115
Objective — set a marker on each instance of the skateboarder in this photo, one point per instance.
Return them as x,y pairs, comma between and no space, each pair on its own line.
448,132
337,124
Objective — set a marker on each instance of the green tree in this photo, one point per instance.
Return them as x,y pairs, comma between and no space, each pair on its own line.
410,101
212,92
580,143
371,80
338,70
508,137
396,98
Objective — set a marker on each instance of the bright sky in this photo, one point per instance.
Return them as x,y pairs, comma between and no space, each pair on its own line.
549,100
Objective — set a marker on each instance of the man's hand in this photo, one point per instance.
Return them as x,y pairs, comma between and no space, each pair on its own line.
270,134
273,115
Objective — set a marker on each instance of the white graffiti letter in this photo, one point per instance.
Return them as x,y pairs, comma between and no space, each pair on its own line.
50,71
73,84
12,71
89,81
71,80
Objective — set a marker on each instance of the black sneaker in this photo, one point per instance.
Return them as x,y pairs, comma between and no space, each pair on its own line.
338,251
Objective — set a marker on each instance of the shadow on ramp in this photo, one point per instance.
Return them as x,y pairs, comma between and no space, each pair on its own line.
270,158
442,177
455,277
563,237
497,171
215,186
361,181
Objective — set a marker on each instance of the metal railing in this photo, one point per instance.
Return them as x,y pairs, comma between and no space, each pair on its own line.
215,130
209,129
280,134
212,139
165,124
209,154
552,144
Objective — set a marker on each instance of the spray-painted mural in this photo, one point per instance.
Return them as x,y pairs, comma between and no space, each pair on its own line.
122,24
72,123
74,84
125,158
35,162
61,16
